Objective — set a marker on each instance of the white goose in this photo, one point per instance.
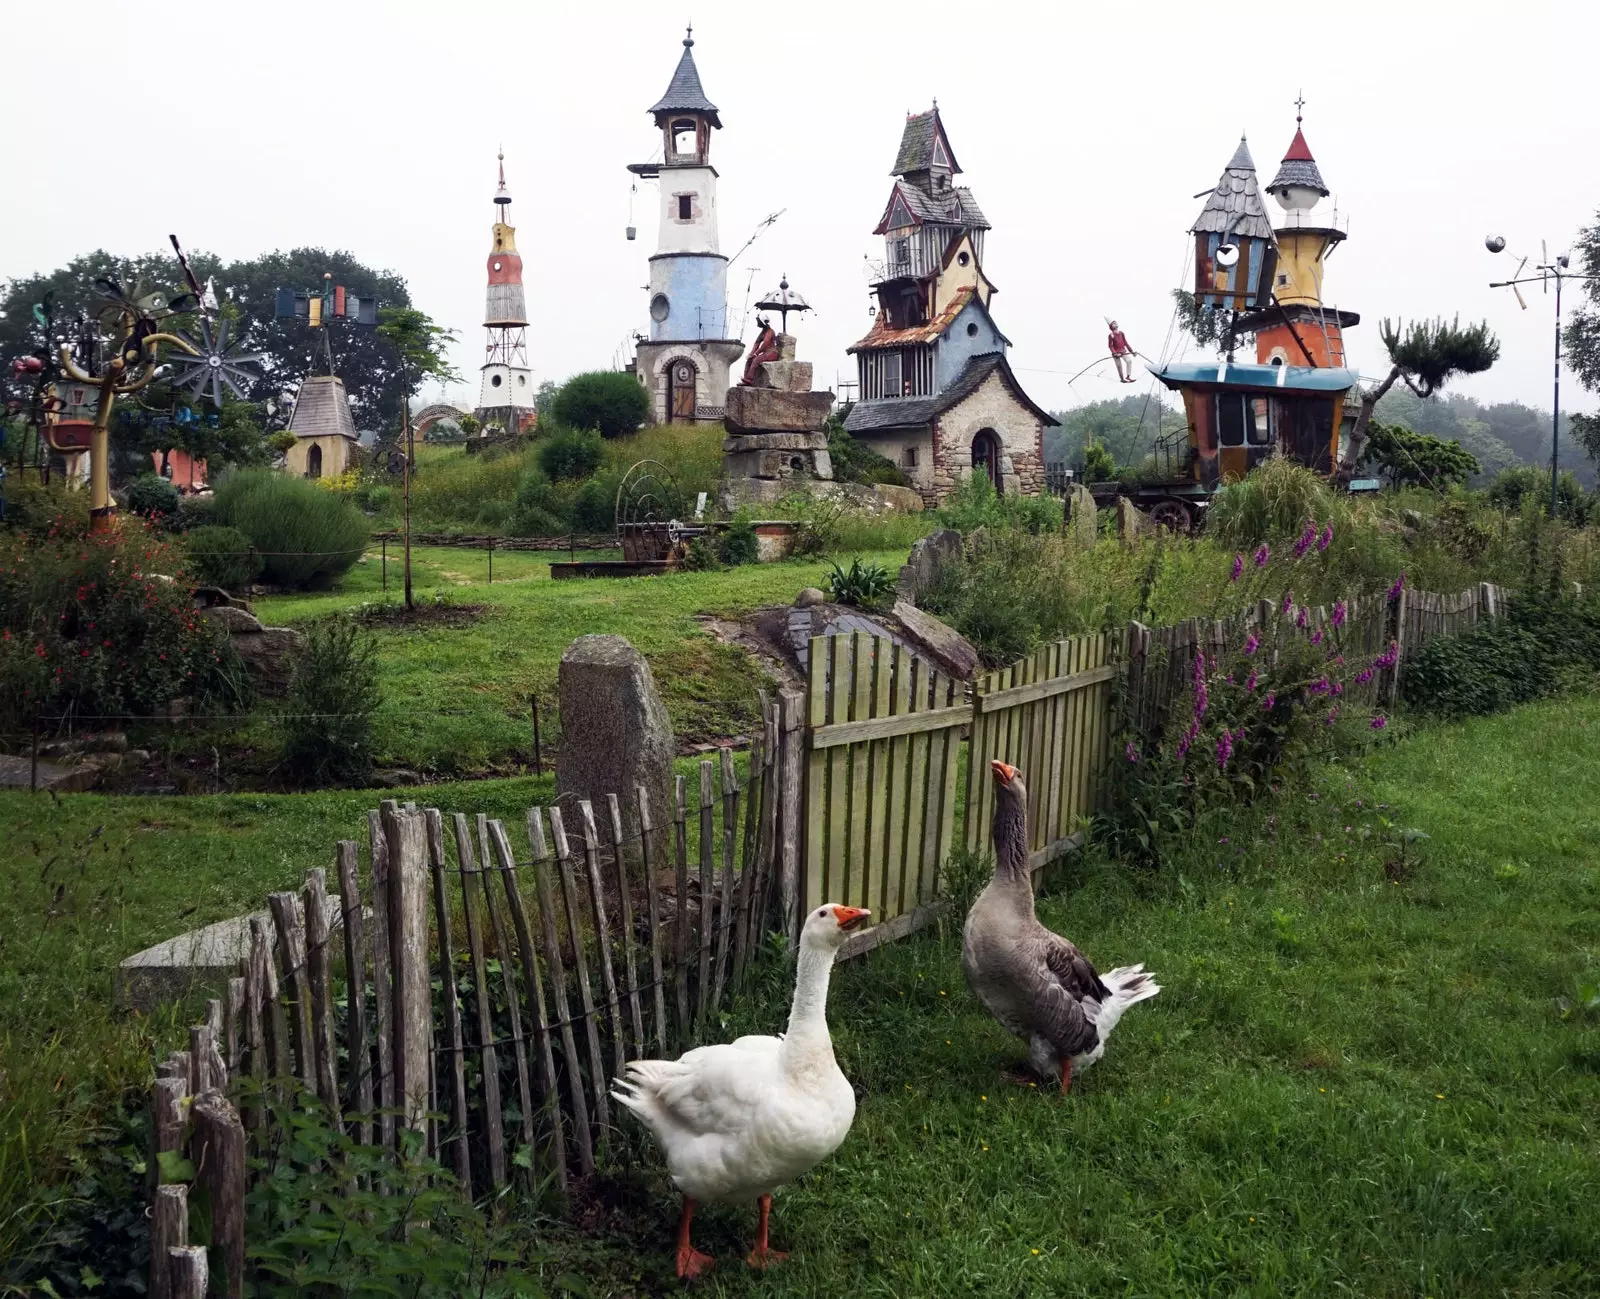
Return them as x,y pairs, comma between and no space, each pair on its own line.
739,1119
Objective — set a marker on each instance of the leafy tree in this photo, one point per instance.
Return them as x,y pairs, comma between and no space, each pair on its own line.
544,398
1582,335
1426,357
1203,324
1126,426
608,401
1410,459
1524,482
1586,428
1099,465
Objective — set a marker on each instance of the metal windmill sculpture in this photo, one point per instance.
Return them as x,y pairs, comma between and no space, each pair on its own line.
218,364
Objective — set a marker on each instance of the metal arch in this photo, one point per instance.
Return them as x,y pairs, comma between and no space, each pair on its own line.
648,493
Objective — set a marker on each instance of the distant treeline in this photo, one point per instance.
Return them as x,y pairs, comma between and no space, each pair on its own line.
1500,435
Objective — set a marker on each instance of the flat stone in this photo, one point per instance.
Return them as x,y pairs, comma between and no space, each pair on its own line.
15,773
737,442
755,410
231,618
615,732
925,562
204,958
938,641
786,376
395,778
107,742
778,464
270,655
808,596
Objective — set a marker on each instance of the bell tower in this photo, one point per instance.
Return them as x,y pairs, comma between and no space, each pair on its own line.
684,363
505,392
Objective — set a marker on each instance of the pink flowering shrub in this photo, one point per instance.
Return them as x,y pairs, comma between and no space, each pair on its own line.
103,624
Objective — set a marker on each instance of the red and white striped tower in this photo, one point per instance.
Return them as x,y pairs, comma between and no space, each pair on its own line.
505,396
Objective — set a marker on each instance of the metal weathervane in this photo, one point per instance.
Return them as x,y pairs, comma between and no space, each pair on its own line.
217,364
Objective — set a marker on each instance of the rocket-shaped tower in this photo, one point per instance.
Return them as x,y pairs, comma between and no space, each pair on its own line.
505,396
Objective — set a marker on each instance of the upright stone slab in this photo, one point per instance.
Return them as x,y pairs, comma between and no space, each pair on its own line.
923,564
1082,515
615,733
1129,521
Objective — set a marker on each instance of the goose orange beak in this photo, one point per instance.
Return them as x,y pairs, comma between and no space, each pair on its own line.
1004,772
850,917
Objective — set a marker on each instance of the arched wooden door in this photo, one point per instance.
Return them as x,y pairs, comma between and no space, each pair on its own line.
314,462
986,456
680,391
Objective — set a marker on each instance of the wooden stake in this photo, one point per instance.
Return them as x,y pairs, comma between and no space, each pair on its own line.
680,930
409,887
460,1152
467,864
382,983
292,945
315,899
580,966
169,1229
186,1271
625,903
647,844
358,1096
508,968
218,1150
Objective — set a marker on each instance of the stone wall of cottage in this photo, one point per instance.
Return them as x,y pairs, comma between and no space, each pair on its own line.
1021,434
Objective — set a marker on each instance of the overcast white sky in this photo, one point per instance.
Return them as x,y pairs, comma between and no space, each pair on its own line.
1082,130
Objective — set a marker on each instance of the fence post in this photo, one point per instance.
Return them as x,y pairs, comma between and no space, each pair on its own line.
406,832
491,561
384,541
792,743
1400,604
538,752
186,1268
218,1149
169,1229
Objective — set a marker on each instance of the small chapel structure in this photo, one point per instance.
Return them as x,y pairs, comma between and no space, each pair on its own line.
937,395
684,363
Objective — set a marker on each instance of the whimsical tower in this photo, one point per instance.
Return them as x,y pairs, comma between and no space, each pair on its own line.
505,395
1297,329
684,363
1235,256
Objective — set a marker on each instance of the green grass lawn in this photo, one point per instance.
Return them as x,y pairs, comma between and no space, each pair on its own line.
456,699
1348,1086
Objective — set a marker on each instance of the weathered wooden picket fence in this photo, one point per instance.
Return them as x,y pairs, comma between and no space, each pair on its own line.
486,994
606,938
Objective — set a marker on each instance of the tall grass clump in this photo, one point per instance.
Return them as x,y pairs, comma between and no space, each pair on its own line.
327,716
1272,502
307,538
975,504
455,491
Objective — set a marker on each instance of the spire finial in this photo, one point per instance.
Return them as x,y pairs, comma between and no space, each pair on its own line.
688,37
1299,104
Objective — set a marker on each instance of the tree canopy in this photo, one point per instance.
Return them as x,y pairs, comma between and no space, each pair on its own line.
1410,459
1582,335
609,402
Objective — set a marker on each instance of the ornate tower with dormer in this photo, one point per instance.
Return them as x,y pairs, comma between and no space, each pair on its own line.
937,394
684,363
1298,328
505,394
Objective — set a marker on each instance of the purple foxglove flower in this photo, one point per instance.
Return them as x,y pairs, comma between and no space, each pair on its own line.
1332,714
1306,538
1379,722
1301,620
1338,688
1267,703
1399,586
1316,637
1238,568
1133,753
1251,644
1326,539
1224,749
1263,554
1364,676
1340,612
1250,685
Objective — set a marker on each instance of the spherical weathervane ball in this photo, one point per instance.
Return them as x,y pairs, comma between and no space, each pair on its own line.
1495,243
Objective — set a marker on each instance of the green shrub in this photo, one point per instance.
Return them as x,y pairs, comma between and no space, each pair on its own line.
1511,487
541,509
738,544
327,715
594,508
152,497
222,557
1273,501
1099,465
101,624
856,462
864,584
196,512
37,509
975,504
700,557
571,454
608,401
307,537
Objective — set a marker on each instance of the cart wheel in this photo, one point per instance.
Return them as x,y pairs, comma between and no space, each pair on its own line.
1172,515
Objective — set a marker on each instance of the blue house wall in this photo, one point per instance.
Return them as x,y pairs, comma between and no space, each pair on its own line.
956,346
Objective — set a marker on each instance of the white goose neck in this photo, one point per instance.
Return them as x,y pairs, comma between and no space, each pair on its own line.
807,1042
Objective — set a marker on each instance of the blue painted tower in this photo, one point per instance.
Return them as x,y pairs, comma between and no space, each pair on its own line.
685,361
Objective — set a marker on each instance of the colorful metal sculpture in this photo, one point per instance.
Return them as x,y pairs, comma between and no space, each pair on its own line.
217,364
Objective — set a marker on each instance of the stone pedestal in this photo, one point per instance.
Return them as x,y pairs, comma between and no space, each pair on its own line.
775,442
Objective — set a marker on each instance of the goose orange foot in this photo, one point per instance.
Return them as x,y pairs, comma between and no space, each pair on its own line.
692,1264
763,1256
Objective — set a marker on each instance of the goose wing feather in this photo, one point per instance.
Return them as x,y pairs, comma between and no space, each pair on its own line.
712,1089
1072,969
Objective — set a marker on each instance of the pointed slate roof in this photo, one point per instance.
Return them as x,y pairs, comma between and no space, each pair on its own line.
322,407
1298,167
684,94
909,412
1235,207
954,206
924,145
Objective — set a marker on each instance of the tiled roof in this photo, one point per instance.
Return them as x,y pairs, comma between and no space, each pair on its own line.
1235,207
917,144
954,206
878,336
1298,168
322,407
903,412
684,95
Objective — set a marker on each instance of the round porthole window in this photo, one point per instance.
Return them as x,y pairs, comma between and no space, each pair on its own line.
659,307
972,329
494,380
963,258
522,381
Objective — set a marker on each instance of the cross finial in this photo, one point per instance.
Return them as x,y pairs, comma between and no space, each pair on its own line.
688,37
1299,104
